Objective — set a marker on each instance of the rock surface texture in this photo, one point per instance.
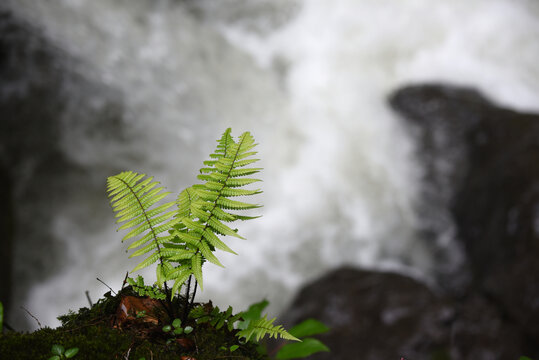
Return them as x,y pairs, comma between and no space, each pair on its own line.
482,162
38,102
375,315
495,202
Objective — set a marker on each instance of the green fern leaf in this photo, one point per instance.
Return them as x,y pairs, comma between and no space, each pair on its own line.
189,237
214,240
262,327
244,172
184,201
160,274
132,196
239,192
222,229
179,275
196,266
225,203
147,262
208,254
222,215
235,182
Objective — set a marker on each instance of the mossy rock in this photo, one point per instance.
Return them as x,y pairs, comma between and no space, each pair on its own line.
99,334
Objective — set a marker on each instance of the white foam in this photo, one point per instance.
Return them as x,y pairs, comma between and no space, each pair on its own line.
341,182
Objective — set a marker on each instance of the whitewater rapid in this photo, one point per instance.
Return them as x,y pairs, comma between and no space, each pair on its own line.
309,80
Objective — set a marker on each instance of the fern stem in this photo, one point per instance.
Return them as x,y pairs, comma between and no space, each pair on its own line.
194,293
186,306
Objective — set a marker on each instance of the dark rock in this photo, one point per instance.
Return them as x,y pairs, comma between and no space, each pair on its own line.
375,315
492,189
41,94
482,164
6,237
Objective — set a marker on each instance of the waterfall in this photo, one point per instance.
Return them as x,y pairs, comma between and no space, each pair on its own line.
308,79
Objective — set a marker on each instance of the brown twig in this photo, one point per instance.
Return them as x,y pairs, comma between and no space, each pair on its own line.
102,282
29,313
88,297
125,280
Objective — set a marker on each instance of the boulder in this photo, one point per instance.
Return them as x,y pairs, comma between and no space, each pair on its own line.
482,164
494,188
380,315
41,95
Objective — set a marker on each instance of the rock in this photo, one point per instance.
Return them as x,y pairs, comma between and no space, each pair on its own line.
42,95
376,315
494,189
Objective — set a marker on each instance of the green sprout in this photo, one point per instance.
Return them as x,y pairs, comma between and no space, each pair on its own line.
176,329
59,352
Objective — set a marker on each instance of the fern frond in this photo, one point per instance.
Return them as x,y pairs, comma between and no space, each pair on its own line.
202,208
225,203
262,327
132,196
147,262
234,182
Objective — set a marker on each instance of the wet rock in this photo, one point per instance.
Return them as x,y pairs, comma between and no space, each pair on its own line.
376,315
43,101
493,180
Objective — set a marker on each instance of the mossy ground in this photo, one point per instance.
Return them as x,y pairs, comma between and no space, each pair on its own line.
96,333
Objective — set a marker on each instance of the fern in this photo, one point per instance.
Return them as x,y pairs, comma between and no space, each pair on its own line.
262,327
145,290
204,208
215,317
132,197
248,328
182,240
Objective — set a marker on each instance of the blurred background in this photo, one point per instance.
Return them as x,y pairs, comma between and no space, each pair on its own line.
92,88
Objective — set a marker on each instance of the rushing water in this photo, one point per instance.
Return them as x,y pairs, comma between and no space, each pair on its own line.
309,80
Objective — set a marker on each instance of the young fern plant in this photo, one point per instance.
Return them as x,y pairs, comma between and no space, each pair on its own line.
183,239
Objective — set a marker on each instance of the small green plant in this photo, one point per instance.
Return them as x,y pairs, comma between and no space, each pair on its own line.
146,290
176,329
181,240
59,352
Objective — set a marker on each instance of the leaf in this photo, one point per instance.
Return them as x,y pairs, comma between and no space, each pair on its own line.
71,352
177,323
221,228
302,349
225,203
239,192
308,327
244,172
179,280
254,312
208,254
262,327
159,271
132,196
57,349
196,267
216,242
149,260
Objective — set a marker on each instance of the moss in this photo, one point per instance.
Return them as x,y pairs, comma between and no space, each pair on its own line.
98,334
